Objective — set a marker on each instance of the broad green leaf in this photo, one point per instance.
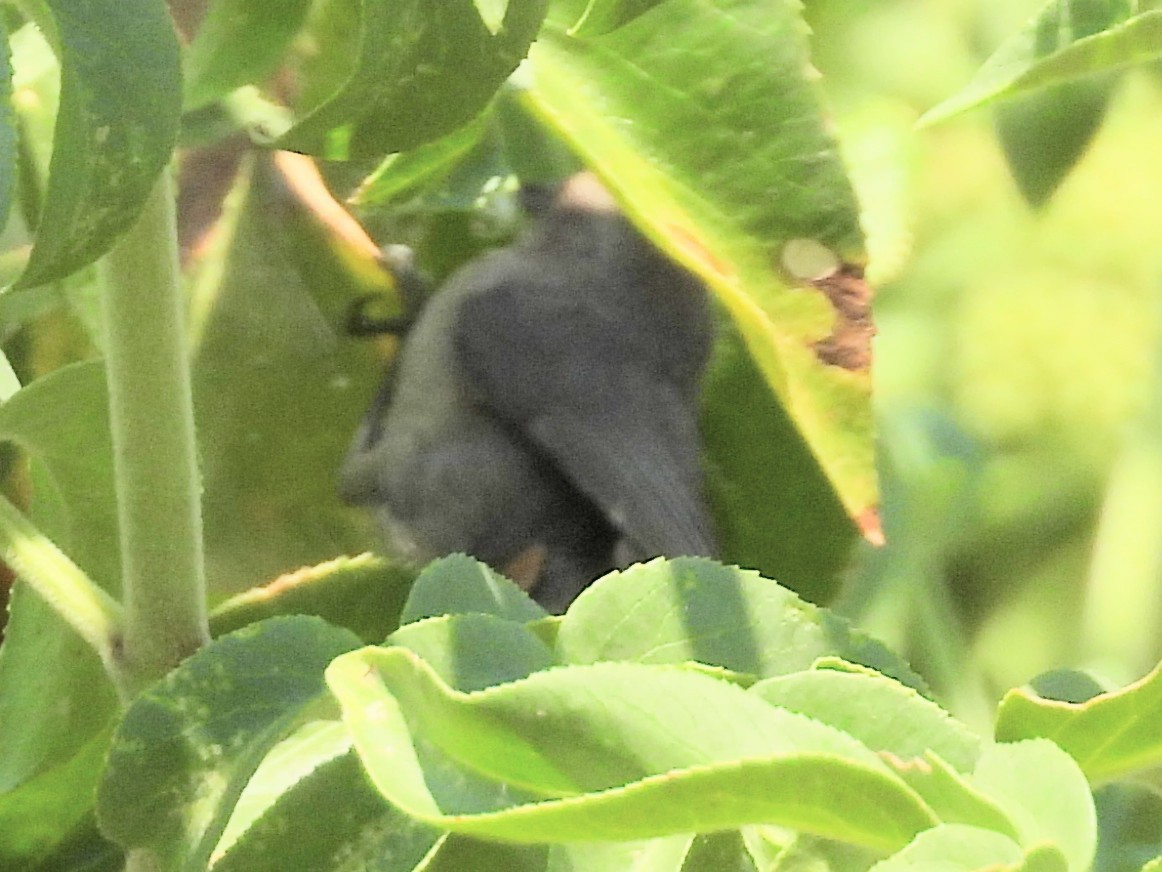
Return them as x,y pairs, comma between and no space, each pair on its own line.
1045,133
278,390
883,714
419,71
1042,858
1045,794
653,855
474,651
532,152
365,594
712,852
187,746
953,795
120,105
672,611
702,118
54,694
1109,736
611,751
83,850
455,853
62,420
803,853
304,827
1067,685
1068,39
603,16
1129,818
1154,865
954,847
301,753
37,816
239,42
755,456
458,584
405,171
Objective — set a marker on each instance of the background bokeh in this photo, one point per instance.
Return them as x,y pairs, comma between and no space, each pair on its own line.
1016,363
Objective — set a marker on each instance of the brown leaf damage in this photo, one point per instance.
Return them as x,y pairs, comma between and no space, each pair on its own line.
849,345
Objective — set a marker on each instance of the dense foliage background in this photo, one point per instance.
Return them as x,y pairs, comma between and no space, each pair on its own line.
1012,415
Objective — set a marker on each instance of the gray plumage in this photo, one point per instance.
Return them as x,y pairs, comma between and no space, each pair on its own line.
545,403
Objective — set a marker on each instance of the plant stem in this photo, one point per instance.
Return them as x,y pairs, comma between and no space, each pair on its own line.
155,464
90,611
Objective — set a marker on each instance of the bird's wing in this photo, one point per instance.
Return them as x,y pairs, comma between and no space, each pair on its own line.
573,381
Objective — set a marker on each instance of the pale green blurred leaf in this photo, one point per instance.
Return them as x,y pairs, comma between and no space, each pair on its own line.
1045,133
602,16
953,848
1110,735
1067,40
238,42
1045,794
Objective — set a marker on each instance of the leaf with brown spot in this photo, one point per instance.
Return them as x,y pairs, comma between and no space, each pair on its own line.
849,344
703,118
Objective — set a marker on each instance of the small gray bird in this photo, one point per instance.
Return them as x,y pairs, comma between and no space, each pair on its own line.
543,413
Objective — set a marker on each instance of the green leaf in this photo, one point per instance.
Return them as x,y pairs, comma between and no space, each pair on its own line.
1043,858
702,118
120,107
755,456
1045,794
954,847
278,390
456,853
301,826
953,795
365,594
54,694
1129,818
473,651
1045,133
609,752
1109,736
672,611
239,42
62,421
883,714
405,171
39,815
1067,40
187,746
458,584
420,71
603,16
653,855
712,852
8,146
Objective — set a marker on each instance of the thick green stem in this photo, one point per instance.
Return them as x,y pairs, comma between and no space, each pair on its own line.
152,421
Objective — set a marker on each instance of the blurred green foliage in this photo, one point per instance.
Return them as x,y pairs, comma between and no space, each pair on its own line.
1015,361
